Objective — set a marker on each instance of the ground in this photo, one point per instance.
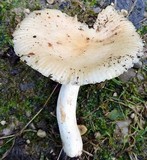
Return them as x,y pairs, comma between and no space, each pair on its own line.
114,112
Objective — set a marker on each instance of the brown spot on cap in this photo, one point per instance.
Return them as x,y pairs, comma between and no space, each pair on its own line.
49,44
58,42
31,54
38,14
81,29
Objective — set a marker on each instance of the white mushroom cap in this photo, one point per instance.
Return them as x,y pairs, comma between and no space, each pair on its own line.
67,51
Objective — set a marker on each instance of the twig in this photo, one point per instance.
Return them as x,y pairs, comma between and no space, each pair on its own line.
126,105
23,129
60,154
13,135
115,3
143,20
132,8
39,110
9,136
89,154
5,154
7,141
132,156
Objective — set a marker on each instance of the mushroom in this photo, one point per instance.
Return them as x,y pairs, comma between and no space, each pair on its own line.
67,51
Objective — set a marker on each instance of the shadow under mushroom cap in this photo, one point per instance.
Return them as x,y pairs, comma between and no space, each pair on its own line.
67,51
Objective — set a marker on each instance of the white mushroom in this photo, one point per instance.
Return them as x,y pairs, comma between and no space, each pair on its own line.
67,51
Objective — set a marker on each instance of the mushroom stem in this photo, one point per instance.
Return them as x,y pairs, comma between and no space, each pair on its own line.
66,116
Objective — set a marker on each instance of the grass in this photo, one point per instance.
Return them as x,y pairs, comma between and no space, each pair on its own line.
103,110
24,91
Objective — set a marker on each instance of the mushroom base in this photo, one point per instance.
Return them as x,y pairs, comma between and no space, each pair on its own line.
66,116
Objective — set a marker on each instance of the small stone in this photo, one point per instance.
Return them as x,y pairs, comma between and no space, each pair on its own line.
3,122
124,12
123,126
64,4
50,1
41,133
27,11
140,76
125,77
28,141
96,10
132,116
114,94
28,113
137,65
97,135
6,131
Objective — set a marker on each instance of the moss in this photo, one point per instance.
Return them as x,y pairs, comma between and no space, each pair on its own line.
11,12
97,105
